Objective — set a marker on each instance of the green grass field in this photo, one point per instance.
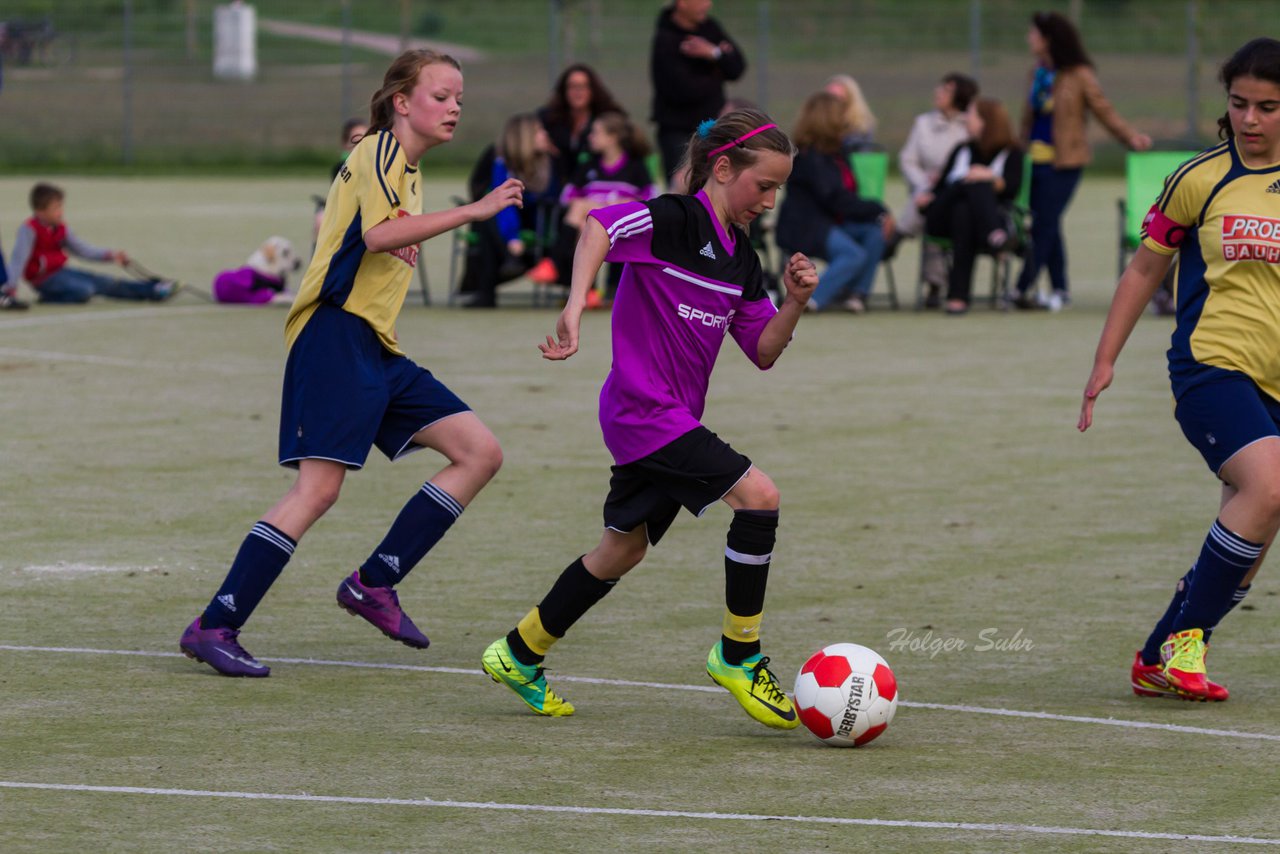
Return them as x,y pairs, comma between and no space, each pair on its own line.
933,485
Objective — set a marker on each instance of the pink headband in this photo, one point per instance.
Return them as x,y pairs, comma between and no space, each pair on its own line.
741,139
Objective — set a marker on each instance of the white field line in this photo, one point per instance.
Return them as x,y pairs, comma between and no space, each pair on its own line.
231,368
64,568
707,689
82,358
978,827
94,316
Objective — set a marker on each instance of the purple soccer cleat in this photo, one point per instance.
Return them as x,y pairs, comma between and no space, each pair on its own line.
219,649
380,606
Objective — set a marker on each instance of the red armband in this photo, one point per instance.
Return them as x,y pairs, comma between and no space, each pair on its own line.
1163,230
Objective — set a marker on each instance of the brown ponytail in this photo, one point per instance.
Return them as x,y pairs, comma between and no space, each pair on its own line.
729,130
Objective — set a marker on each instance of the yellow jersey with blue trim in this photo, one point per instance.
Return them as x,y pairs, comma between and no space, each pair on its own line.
1222,218
375,184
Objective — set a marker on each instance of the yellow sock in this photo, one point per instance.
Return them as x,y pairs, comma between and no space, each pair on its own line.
533,634
742,629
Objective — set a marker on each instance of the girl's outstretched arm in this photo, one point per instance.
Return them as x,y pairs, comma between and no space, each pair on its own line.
593,246
799,279
411,230
1136,287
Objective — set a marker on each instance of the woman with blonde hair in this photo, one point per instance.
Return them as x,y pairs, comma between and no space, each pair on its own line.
857,112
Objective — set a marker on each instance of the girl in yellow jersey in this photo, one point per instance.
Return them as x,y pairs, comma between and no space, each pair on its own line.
1219,214
348,386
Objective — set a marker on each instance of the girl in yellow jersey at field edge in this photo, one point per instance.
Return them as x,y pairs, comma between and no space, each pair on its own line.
1219,213
348,386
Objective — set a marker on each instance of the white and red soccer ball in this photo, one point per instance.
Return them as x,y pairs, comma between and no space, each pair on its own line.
846,694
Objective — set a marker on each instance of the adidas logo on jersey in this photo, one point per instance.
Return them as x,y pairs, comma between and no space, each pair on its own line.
707,251
392,561
228,601
1275,186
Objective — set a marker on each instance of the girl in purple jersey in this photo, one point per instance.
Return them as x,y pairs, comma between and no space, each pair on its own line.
690,279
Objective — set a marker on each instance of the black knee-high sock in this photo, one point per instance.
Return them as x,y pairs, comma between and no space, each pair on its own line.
748,551
573,594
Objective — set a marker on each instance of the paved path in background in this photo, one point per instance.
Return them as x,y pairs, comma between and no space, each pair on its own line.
379,42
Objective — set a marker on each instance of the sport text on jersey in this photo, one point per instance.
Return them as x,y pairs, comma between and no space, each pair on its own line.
1251,238
706,318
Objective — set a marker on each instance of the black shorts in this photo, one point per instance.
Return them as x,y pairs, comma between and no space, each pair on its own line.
694,472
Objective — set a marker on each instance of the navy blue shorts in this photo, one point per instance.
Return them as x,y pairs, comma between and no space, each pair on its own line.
694,472
344,393
1226,414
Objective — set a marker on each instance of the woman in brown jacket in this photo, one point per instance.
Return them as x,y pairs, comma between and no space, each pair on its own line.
1063,86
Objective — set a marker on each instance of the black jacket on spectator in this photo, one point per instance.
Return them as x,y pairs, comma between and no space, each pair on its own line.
816,199
572,148
688,90
1011,172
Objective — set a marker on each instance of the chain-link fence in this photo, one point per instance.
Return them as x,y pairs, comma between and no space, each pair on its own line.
96,84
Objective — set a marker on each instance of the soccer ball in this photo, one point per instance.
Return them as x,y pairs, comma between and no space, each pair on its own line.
846,694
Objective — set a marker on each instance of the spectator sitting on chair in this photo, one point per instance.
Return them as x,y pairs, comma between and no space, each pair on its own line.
862,122
822,214
970,200
615,173
40,256
933,136
578,97
523,151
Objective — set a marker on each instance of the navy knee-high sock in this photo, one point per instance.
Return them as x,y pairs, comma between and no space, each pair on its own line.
258,564
420,525
1164,626
1236,599
1224,561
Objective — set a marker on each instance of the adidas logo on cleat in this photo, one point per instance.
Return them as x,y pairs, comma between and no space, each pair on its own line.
392,561
708,252
228,601
1275,186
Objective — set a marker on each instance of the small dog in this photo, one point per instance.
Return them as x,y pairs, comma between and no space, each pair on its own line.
263,278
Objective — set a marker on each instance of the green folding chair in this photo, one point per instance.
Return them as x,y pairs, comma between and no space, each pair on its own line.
871,169
1144,174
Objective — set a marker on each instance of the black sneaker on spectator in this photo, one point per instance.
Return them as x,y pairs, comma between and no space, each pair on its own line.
8,302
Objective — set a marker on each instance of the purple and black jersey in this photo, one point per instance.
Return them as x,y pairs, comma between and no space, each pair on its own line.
628,180
687,282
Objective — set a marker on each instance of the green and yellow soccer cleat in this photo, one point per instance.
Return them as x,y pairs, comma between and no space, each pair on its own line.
1183,658
525,679
755,688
